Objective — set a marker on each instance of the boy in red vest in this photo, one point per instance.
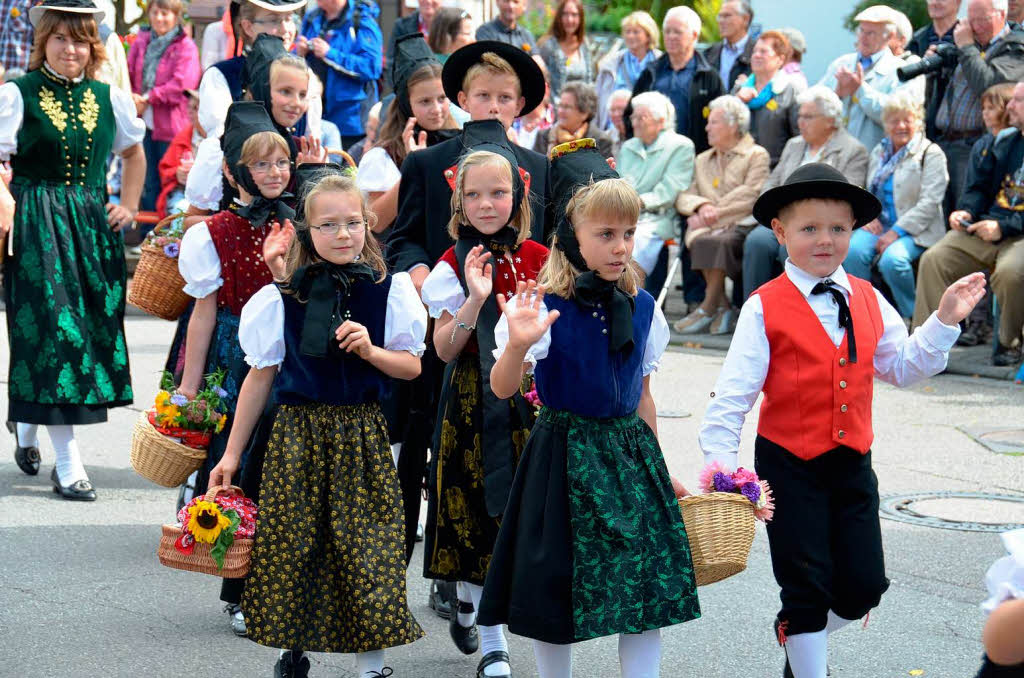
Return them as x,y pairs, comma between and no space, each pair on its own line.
813,340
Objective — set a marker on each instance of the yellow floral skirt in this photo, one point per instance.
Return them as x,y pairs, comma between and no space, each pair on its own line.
328,562
460,534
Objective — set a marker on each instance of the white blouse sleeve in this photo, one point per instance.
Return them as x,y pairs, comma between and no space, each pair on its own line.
538,351
377,172
128,126
214,100
199,263
442,291
315,112
657,341
261,328
405,322
12,110
203,188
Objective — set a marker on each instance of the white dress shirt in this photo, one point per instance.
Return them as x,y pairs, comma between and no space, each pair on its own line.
898,359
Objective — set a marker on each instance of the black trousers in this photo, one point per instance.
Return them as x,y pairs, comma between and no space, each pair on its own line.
825,537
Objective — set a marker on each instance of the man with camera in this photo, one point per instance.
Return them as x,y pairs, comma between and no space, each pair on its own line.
943,16
985,52
987,235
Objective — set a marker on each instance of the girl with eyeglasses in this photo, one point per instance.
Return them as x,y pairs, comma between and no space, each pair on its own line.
222,264
324,342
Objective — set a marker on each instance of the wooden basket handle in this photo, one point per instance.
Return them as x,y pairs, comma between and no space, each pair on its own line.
212,493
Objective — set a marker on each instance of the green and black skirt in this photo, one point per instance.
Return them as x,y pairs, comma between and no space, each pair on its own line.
460,533
328,562
592,542
65,294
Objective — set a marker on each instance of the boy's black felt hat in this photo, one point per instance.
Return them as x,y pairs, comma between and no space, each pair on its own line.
531,79
821,181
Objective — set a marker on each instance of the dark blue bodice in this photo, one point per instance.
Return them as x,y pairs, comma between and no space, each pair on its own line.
339,378
579,373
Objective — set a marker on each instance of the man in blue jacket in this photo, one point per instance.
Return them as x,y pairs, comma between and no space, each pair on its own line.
343,45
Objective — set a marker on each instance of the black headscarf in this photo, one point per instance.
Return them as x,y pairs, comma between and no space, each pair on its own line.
570,171
256,79
411,54
490,136
245,119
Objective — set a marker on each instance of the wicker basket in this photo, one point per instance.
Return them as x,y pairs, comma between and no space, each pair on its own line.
236,560
158,458
157,287
720,526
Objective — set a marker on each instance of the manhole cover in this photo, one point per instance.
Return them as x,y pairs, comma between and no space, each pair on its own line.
673,414
956,510
997,439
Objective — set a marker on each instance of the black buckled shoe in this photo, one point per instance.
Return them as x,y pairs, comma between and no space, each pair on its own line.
27,458
290,665
442,595
80,490
493,657
466,638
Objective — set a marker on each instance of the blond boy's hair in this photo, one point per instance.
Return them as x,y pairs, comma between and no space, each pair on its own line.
298,256
611,200
490,64
523,218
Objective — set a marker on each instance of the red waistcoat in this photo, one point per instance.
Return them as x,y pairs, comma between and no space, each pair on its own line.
815,399
239,245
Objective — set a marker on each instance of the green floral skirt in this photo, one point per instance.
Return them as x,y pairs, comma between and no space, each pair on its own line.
592,542
328,562
65,295
460,533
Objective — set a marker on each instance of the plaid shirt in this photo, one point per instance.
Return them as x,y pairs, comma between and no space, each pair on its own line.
15,34
960,109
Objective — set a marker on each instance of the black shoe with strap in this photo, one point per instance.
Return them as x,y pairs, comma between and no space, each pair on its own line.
292,665
27,458
80,490
466,638
493,657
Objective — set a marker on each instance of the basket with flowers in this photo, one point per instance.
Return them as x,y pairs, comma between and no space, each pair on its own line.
157,287
720,521
170,441
213,534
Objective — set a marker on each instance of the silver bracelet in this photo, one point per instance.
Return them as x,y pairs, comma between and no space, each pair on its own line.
457,325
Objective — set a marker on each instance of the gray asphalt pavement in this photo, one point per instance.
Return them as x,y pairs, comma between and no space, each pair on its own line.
82,593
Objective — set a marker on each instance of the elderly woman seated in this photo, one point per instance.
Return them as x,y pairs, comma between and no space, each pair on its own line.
576,109
718,206
658,162
822,139
907,173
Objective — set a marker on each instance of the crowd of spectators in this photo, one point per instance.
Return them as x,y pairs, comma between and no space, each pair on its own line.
927,120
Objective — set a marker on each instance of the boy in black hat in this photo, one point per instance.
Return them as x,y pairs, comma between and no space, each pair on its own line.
814,431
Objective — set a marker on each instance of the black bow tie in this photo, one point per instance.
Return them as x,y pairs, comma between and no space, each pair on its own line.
845,319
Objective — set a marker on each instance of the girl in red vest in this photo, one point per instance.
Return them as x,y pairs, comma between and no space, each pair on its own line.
813,340
221,260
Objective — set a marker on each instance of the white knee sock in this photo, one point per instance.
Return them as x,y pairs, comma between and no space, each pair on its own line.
808,654
553,661
69,461
396,452
835,622
369,662
28,435
640,654
463,593
492,638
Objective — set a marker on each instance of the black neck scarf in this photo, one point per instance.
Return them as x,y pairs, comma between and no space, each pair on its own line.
324,288
434,136
592,289
261,210
496,243
845,319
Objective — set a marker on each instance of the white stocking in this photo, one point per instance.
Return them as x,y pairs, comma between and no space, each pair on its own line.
28,435
492,638
835,622
69,461
640,654
553,661
808,654
368,663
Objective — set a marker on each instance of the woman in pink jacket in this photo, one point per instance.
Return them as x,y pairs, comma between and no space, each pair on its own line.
163,63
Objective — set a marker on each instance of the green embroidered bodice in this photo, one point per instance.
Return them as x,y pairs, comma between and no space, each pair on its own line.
67,130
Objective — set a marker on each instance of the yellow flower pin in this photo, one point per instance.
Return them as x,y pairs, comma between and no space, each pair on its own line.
206,521
706,112
15,12
526,47
772,105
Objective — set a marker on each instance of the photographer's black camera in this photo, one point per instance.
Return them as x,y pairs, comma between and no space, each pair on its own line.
945,56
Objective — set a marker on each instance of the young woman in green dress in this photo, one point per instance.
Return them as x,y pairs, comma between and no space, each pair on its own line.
64,284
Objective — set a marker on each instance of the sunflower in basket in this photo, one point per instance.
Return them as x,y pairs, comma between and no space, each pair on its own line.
206,521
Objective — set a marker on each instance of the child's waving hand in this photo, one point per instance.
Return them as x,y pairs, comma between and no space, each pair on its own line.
525,327
275,247
479,273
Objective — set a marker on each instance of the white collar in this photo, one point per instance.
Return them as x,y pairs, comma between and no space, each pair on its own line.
740,44
805,282
63,78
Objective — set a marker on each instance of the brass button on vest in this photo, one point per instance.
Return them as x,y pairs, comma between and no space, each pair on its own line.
842,433
842,384
843,408
842,361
